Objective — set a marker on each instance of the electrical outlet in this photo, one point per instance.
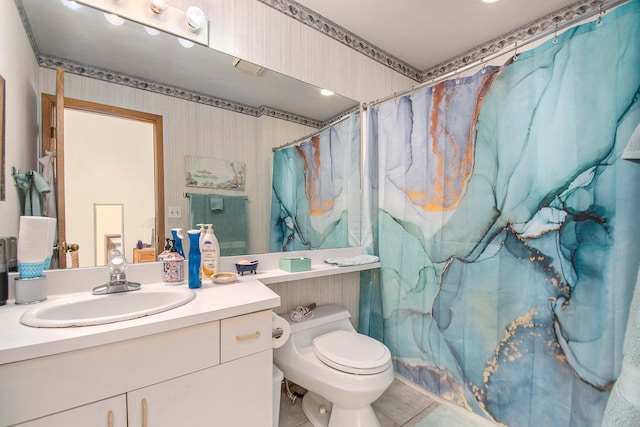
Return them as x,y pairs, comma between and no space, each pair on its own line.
175,212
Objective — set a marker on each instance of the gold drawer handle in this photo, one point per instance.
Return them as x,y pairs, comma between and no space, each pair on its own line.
110,418
248,337
144,412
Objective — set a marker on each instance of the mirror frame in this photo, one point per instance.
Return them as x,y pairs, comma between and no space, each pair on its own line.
48,144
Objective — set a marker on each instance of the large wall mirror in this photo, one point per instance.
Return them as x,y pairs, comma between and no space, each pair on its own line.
79,38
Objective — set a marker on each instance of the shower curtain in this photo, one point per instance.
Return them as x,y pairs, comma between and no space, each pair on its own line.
315,201
506,225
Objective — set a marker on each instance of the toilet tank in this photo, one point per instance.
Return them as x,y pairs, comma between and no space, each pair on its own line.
326,318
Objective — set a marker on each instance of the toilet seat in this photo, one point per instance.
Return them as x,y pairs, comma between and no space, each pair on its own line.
352,352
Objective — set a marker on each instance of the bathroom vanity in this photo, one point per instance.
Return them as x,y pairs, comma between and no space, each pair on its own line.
208,362
199,363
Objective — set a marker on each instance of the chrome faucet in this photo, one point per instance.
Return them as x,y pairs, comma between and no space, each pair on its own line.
117,279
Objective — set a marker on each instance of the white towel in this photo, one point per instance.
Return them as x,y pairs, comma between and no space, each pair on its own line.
355,260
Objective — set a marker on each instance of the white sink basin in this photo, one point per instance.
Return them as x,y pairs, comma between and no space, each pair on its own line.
87,309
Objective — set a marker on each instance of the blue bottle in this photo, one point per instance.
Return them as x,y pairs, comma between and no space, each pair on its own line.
194,259
177,236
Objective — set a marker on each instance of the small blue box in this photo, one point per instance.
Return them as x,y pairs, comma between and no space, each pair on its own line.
295,264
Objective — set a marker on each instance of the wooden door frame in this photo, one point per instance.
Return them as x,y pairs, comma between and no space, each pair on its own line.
49,103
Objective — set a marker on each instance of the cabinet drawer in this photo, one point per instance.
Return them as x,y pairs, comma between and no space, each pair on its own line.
144,255
244,335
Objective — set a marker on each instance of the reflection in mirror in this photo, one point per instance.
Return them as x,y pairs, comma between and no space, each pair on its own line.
110,158
2,166
215,110
108,220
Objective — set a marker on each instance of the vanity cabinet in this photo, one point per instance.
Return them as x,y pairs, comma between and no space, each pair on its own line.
174,378
144,255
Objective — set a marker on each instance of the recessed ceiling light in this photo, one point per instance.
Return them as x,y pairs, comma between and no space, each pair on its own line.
114,19
326,92
489,1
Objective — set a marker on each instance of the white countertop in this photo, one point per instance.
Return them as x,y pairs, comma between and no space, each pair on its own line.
212,302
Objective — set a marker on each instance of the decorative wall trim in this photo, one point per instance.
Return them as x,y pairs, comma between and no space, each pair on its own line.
169,90
557,18
320,23
333,30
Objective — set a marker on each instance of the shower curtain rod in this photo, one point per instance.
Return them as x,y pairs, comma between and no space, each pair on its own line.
604,7
333,123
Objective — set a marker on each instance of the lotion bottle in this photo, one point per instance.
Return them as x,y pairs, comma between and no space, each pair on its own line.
210,253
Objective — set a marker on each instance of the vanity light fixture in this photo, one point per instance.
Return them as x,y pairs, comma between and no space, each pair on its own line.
159,6
195,18
326,92
114,19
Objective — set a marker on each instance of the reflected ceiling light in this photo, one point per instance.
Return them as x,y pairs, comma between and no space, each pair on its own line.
159,6
195,18
151,31
71,4
185,43
114,19
326,92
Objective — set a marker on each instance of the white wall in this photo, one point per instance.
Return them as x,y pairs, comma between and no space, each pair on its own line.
20,70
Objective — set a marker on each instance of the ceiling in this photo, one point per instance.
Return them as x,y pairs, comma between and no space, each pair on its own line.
425,33
419,34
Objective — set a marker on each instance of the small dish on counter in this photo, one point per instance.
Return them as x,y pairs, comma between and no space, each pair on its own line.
224,277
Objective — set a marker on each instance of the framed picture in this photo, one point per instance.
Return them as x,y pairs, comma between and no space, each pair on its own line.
215,174
2,149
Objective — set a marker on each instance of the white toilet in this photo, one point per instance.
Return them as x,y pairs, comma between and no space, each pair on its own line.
343,371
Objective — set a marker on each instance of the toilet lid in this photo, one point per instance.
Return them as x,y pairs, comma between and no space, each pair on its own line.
352,352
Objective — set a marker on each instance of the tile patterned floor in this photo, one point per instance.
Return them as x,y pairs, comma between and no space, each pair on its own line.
401,405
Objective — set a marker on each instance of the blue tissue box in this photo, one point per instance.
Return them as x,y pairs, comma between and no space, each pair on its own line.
295,264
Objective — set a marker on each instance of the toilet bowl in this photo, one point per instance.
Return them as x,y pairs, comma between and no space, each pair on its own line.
343,371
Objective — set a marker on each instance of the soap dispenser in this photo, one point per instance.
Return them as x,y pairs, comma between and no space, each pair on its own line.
165,252
210,252
173,266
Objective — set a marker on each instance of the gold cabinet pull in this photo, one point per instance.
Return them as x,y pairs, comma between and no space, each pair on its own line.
110,418
144,412
248,337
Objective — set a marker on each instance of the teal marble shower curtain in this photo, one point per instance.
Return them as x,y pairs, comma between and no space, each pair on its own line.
507,227
315,202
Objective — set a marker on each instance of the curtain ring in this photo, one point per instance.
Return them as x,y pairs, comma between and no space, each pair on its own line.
555,34
515,53
600,13
483,69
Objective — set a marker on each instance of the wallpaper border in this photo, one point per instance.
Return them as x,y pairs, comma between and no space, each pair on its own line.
336,32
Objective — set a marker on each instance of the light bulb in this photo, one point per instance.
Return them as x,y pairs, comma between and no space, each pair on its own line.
185,43
151,31
195,18
159,6
71,4
114,19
